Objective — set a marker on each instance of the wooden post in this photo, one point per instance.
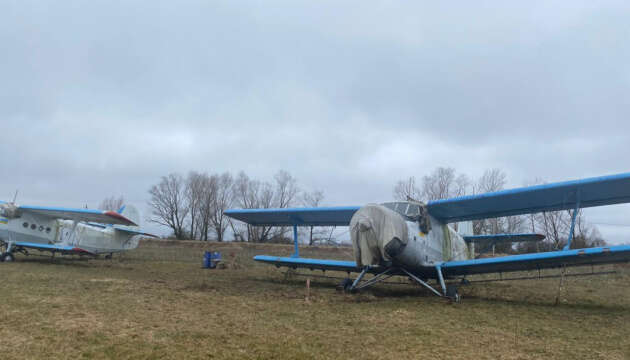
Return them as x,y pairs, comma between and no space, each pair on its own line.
560,285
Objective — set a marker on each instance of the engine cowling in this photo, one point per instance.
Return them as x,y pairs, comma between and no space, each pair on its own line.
9,211
378,235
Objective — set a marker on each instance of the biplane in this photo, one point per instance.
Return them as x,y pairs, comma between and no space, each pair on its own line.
66,231
416,240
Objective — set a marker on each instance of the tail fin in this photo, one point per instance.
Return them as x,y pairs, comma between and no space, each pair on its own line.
131,213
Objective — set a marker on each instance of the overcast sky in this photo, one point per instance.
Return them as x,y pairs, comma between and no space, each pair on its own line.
102,98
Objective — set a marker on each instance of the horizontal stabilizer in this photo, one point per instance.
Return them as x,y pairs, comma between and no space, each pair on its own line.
324,216
127,229
502,238
132,231
599,191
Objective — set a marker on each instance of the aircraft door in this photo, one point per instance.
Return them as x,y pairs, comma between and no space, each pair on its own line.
65,234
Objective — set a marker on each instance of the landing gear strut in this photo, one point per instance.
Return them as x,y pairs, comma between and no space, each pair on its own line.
8,254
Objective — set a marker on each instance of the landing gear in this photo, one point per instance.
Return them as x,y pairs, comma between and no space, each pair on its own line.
7,257
109,256
452,293
345,285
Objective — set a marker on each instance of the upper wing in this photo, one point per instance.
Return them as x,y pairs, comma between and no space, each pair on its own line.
605,190
97,216
324,216
545,260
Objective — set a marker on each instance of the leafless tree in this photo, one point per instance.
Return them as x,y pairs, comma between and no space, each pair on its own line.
494,180
444,183
194,196
206,206
313,199
112,203
168,204
250,194
406,189
222,201
286,189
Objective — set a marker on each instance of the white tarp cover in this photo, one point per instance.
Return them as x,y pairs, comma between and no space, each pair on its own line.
372,227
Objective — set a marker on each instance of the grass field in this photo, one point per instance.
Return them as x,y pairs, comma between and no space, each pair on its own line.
157,302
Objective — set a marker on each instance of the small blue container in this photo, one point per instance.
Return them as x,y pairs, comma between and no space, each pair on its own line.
211,259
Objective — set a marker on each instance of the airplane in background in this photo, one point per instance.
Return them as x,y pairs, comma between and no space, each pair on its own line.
414,239
67,231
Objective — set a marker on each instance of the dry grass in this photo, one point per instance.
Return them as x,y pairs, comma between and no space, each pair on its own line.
157,302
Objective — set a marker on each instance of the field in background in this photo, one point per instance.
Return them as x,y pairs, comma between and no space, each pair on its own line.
157,302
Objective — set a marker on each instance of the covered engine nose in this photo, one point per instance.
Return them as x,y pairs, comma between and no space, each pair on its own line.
378,235
8,210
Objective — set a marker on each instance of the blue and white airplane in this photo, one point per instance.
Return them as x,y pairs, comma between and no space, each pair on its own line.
414,239
67,231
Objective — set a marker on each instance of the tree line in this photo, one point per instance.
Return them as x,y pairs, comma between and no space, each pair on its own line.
444,183
194,206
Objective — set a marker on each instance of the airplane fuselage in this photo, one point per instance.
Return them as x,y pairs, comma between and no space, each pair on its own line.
93,238
401,234
441,243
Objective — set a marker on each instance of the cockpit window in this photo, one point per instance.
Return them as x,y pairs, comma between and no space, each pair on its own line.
404,208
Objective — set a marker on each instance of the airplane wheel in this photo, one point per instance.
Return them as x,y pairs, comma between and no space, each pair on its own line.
7,257
345,284
452,293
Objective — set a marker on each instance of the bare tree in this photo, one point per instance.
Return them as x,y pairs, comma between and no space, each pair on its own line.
112,203
247,195
194,195
444,183
222,201
206,206
168,204
286,189
251,194
313,199
494,180
406,189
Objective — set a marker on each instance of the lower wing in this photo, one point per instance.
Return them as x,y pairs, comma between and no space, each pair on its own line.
535,261
312,264
52,248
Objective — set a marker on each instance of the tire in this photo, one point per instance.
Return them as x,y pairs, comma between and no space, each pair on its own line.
345,285
8,257
452,293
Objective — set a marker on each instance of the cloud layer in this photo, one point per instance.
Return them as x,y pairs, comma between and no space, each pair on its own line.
102,98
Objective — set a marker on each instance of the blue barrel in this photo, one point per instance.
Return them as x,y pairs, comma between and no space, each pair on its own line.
207,260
